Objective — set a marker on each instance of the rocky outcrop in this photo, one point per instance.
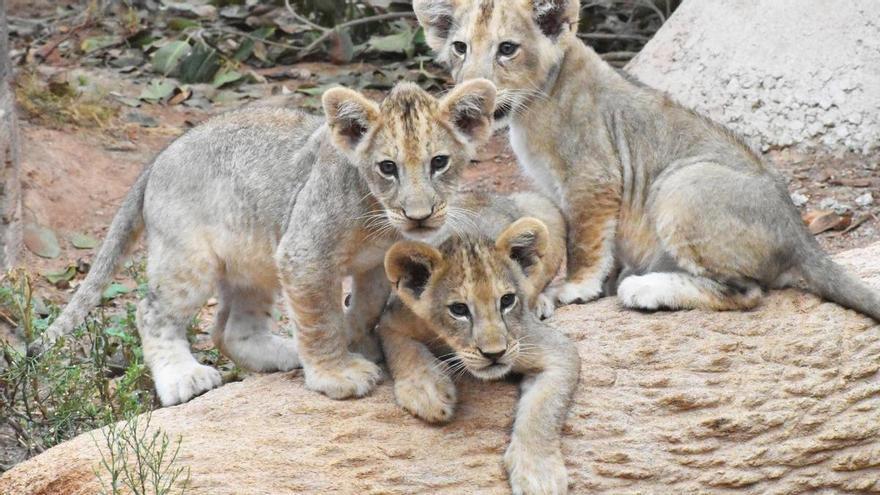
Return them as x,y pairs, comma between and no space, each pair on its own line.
782,399
779,72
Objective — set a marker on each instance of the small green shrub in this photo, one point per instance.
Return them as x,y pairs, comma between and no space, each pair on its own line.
140,461
86,380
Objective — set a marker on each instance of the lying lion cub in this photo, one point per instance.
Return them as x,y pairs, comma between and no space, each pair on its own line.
263,199
472,294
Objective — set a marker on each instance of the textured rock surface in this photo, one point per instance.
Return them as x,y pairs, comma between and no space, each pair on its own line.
783,399
781,72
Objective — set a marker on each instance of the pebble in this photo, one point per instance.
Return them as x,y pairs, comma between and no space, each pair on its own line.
865,199
799,199
834,205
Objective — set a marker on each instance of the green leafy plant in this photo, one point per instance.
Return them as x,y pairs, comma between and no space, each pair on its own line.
84,381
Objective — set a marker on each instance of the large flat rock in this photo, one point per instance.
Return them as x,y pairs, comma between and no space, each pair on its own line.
783,399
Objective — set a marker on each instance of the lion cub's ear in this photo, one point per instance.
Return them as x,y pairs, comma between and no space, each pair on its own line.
469,108
435,16
350,116
410,265
553,17
525,242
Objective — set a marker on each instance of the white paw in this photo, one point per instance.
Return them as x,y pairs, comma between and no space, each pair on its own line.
354,377
648,292
264,353
544,306
430,397
578,292
176,384
534,472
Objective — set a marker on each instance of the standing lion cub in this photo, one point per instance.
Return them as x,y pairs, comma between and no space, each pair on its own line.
267,199
671,209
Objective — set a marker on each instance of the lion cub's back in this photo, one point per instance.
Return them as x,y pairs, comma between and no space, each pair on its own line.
228,185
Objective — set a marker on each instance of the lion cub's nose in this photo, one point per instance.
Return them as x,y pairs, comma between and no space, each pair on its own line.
418,215
493,356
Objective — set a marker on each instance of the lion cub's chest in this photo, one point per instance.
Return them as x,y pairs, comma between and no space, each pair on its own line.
536,165
368,252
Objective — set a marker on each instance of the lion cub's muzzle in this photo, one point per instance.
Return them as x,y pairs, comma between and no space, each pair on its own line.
489,365
421,225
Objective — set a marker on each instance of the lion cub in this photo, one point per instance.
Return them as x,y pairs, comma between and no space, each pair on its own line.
263,200
472,294
669,208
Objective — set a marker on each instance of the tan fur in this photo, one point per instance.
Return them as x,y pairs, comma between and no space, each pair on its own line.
663,205
262,201
492,341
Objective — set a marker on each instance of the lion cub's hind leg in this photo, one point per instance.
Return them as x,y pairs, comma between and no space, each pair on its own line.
679,290
178,287
243,330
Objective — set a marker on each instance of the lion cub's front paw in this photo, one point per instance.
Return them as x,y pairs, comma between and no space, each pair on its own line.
354,377
430,396
578,292
176,384
535,471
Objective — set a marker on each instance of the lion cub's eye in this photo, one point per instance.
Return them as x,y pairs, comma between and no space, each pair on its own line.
459,310
439,163
507,301
388,168
507,48
460,47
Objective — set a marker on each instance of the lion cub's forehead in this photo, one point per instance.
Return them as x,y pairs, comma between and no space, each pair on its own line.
475,269
484,20
411,122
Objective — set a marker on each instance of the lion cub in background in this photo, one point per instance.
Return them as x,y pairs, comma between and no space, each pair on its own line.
668,207
266,200
480,298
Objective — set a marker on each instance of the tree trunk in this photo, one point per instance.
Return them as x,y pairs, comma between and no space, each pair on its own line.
10,190
802,73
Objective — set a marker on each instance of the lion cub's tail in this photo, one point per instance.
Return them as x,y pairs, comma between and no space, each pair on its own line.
124,230
833,282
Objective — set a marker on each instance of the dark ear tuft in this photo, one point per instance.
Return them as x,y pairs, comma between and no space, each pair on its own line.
525,242
410,265
552,16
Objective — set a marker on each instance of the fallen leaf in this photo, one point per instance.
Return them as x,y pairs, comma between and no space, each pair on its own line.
41,241
854,225
860,182
157,90
61,278
181,94
401,42
821,221
167,58
114,290
84,241
200,65
95,43
225,77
